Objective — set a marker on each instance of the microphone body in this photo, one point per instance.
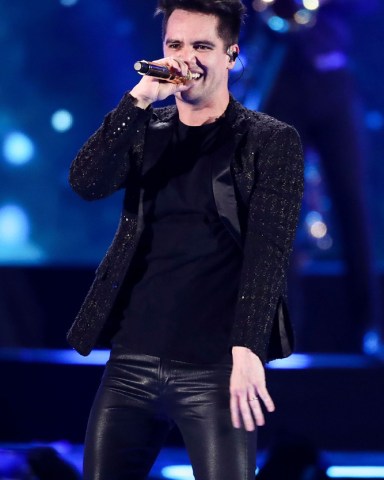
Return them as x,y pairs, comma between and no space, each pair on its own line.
152,69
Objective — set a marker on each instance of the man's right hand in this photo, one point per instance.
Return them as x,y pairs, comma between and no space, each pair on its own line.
151,89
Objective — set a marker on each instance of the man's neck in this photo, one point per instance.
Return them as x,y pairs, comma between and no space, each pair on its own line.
195,115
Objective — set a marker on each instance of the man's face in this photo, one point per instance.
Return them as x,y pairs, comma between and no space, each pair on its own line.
193,38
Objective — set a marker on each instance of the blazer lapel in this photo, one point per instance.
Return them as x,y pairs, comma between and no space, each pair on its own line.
223,184
158,136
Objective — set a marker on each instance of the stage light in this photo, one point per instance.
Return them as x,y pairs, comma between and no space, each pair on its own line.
303,17
313,217
297,361
312,174
355,472
14,225
178,472
62,120
259,5
325,243
371,342
374,120
181,472
311,4
278,24
68,3
18,149
318,229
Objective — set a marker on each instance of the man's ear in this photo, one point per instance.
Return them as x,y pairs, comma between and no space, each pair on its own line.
233,52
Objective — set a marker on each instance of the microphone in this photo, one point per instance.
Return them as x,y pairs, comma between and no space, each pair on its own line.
152,69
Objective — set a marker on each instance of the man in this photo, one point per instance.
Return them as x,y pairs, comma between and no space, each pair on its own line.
191,291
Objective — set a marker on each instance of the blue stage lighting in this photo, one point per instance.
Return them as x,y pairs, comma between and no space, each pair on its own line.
312,174
278,24
62,120
178,472
325,242
371,342
355,472
374,120
18,149
298,361
313,217
14,225
68,3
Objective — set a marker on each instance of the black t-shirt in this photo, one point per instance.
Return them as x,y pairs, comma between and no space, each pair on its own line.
180,293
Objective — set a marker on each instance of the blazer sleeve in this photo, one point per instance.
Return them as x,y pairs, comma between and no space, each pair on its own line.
101,167
272,221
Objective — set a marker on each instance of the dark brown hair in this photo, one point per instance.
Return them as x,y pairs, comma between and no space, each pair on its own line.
229,12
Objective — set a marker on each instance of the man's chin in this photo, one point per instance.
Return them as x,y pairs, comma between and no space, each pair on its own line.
190,96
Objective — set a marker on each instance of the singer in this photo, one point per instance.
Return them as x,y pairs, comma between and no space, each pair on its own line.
191,293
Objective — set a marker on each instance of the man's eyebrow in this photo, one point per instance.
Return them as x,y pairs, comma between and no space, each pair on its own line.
204,42
195,42
172,40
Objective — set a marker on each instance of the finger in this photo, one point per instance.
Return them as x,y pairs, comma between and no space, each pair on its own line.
267,399
257,411
246,414
235,415
177,66
181,66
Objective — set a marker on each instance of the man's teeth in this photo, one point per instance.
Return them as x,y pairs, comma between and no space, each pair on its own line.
194,76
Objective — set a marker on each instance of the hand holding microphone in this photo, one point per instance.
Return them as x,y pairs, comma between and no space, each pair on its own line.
161,79
162,72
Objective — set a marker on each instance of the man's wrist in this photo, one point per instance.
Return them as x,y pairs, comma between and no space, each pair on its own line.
239,350
139,101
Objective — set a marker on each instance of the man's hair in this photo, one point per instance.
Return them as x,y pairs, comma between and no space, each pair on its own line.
230,14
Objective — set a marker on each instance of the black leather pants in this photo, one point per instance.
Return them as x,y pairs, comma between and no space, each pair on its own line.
140,399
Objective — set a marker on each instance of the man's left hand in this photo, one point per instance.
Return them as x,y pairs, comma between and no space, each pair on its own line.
248,390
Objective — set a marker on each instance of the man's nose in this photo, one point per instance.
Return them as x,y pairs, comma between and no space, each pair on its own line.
188,55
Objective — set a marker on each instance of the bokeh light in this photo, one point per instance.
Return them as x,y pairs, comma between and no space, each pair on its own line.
62,120
278,24
313,217
371,342
374,120
68,3
311,4
303,17
14,225
178,472
18,148
318,229
325,243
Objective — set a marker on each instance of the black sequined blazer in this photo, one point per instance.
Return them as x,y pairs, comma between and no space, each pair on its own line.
257,183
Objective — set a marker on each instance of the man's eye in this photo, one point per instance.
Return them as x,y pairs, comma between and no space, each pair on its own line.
202,47
174,45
